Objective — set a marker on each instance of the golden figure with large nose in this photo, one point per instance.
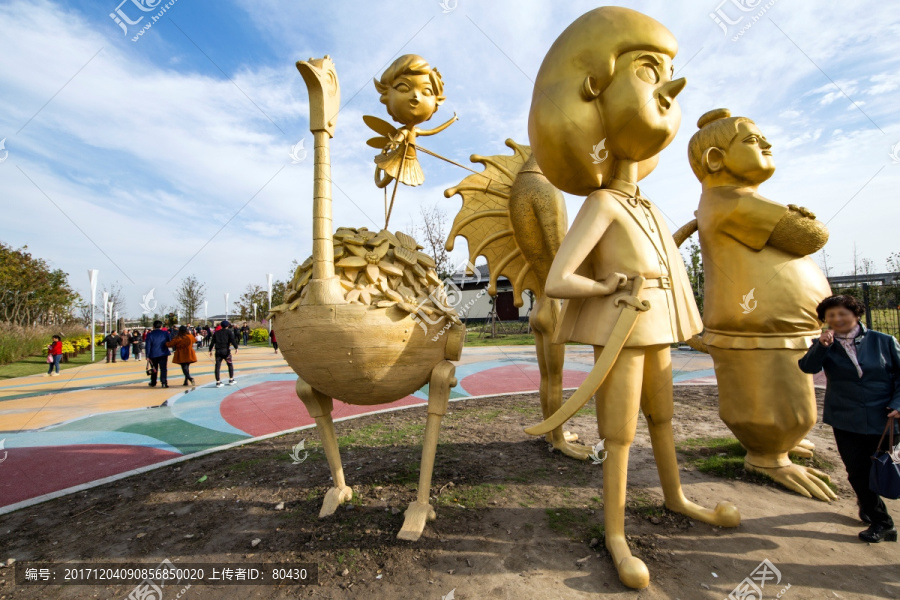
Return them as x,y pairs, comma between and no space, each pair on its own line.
607,83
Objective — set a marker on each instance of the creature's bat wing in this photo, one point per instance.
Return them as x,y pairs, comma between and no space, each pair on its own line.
485,223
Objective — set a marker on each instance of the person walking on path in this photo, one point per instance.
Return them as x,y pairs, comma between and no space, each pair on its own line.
222,341
862,369
125,345
158,354
112,342
274,341
184,353
136,338
54,355
245,333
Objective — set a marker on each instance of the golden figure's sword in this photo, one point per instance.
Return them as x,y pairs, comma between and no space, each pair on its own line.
617,338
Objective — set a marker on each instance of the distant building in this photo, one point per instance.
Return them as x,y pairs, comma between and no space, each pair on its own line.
476,302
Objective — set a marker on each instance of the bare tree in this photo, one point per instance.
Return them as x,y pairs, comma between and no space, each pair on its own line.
117,299
190,295
825,264
893,262
253,294
431,232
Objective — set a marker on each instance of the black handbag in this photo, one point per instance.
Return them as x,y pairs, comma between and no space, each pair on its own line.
884,477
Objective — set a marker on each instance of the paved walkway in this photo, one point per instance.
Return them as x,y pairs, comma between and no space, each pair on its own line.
101,422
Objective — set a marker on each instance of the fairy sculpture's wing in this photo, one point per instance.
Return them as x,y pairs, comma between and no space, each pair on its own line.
381,126
485,223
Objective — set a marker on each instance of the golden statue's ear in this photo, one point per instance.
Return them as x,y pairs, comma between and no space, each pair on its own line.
589,89
713,160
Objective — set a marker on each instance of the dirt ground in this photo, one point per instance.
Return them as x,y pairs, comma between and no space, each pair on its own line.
514,520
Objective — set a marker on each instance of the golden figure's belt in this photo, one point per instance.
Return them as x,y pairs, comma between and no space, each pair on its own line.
664,282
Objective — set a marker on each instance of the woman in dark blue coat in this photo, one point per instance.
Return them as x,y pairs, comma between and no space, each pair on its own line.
863,372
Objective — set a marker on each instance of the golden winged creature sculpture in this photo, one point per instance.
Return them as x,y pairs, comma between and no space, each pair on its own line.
516,219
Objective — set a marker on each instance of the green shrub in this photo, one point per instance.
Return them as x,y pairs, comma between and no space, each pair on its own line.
259,335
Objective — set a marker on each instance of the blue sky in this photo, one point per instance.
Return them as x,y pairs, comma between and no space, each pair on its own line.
169,156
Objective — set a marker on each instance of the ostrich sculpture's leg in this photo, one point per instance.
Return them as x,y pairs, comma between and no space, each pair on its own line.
420,511
319,407
551,360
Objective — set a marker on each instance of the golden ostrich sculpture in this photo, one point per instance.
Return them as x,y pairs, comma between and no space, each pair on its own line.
350,326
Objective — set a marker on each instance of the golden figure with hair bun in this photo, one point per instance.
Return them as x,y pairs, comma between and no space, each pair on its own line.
761,289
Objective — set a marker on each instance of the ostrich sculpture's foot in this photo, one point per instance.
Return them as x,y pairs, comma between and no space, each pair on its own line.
725,514
334,498
572,450
416,516
804,449
632,570
806,481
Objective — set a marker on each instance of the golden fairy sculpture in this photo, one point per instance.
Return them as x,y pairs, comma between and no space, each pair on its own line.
412,91
348,326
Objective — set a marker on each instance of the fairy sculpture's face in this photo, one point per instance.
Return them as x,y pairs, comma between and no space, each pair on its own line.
411,99
640,114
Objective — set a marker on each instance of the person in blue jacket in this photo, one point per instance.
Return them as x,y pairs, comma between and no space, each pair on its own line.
158,353
862,368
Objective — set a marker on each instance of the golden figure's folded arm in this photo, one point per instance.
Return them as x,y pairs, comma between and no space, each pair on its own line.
587,229
798,234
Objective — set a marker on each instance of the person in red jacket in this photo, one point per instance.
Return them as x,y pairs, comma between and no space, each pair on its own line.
54,355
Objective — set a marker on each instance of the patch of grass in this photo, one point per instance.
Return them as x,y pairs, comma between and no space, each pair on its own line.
574,523
475,496
719,456
473,338
348,558
33,365
246,465
816,462
644,505
488,415
383,434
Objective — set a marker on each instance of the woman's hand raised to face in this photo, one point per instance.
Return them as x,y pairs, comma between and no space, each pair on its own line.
826,338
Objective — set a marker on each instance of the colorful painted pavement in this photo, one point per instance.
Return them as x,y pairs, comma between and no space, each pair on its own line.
102,422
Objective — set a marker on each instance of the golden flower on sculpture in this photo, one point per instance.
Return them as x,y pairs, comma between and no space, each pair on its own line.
382,270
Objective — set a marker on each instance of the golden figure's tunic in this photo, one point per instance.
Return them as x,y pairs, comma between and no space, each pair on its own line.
635,242
735,225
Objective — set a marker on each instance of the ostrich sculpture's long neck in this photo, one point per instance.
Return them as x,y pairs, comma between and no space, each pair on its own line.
324,101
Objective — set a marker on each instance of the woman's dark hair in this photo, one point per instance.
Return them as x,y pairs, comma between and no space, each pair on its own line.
848,302
182,330
57,337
